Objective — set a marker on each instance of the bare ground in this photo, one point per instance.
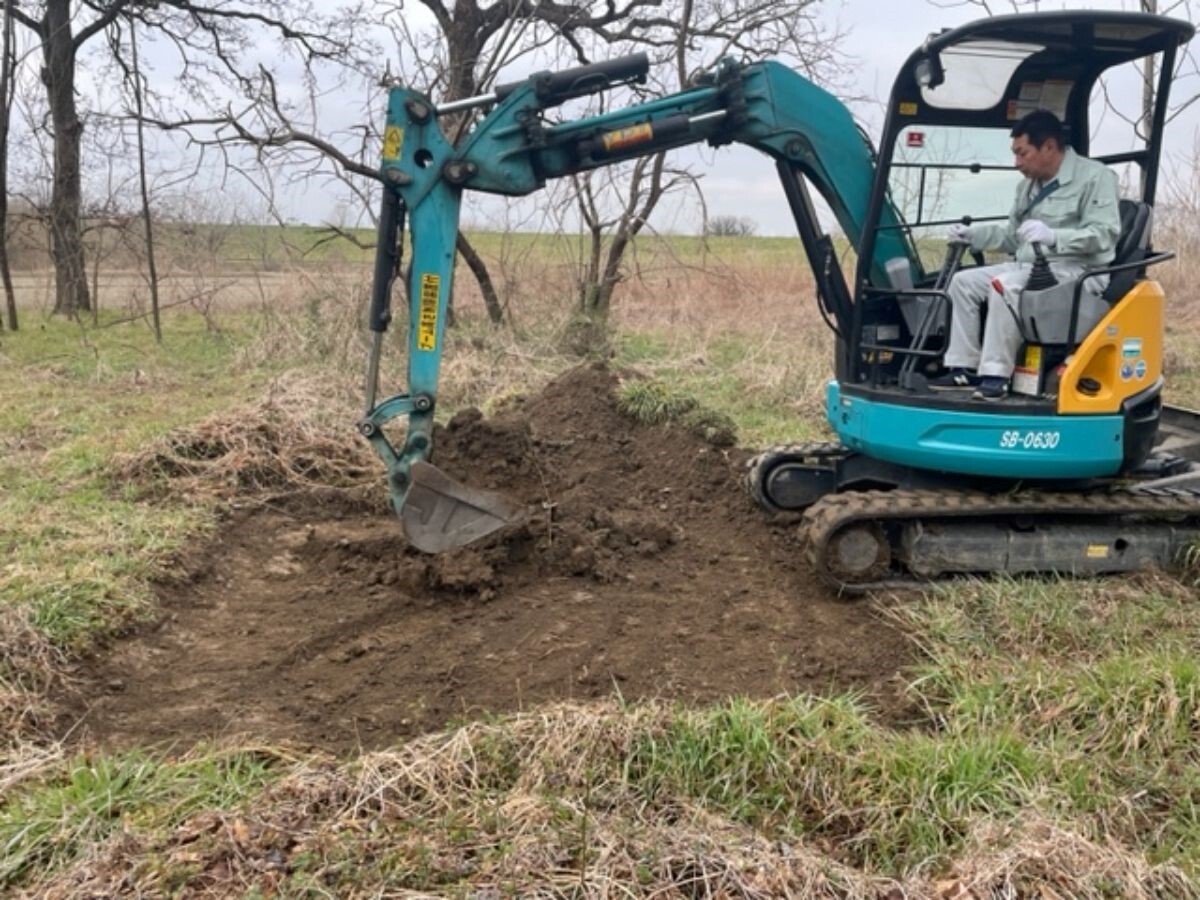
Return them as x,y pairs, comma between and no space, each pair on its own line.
642,570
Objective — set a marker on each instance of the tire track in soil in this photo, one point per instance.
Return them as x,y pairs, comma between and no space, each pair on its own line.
642,568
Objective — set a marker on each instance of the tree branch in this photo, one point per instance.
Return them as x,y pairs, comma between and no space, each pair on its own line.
24,19
107,15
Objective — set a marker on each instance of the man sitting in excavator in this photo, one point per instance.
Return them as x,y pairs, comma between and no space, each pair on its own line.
1066,207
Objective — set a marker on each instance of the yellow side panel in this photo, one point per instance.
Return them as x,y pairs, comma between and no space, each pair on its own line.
1123,354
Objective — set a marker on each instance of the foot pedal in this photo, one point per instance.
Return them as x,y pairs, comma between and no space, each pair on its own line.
440,514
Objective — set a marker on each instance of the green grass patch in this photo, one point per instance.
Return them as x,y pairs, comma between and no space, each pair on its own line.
68,814
767,394
822,768
78,547
653,403
1099,677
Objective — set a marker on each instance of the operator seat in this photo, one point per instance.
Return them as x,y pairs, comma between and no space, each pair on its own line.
1133,245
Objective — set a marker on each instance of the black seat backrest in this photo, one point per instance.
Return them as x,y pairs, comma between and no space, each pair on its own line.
1133,244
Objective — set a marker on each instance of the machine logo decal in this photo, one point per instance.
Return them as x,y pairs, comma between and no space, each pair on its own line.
1140,369
1131,348
1126,372
393,140
431,286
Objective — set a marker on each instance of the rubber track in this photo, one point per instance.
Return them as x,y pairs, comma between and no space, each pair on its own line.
758,467
830,514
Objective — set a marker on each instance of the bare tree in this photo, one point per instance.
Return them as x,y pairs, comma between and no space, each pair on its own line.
137,86
689,35
474,42
215,32
8,60
59,49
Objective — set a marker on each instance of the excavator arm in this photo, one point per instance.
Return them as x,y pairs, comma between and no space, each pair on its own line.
513,150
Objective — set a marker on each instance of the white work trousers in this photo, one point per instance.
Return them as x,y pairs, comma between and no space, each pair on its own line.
969,291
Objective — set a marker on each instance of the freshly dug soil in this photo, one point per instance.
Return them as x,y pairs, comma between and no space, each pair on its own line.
642,569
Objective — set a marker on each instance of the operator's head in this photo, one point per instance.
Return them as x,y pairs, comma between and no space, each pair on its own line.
1038,145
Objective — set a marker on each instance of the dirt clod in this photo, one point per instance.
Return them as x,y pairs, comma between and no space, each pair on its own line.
641,567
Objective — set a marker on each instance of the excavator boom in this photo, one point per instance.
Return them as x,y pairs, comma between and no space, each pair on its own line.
1061,476
513,150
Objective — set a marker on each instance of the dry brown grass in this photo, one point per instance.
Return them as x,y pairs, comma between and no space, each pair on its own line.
29,666
299,435
537,806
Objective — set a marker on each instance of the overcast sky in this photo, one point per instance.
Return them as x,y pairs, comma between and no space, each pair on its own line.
882,33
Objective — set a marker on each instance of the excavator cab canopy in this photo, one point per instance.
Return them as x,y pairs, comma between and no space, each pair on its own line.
955,100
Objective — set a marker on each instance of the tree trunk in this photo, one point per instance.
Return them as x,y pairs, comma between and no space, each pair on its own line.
66,198
464,44
7,63
1149,87
141,145
97,255
479,269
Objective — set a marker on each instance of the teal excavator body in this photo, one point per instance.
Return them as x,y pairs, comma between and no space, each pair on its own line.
1061,475
513,150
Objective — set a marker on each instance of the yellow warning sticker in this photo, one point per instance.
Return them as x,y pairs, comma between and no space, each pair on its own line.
908,109
1033,357
627,137
1097,551
427,315
393,140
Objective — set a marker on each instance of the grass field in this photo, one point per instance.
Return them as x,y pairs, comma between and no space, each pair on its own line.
1051,750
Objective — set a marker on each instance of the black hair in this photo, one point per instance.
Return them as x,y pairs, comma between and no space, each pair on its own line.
1040,126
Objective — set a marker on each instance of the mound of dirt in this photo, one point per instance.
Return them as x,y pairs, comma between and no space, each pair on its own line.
642,568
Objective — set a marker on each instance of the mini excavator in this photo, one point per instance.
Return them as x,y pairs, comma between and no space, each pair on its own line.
1082,469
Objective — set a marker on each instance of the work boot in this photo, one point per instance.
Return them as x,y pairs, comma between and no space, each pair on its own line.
991,387
955,380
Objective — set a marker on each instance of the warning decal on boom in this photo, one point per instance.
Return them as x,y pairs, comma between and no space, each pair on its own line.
427,321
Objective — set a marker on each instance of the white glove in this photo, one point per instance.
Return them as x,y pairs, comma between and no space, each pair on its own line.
1036,232
959,234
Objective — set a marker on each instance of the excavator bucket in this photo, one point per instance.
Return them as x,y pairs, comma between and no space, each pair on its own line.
440,514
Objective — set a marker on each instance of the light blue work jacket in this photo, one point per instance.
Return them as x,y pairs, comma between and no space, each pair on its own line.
1082,210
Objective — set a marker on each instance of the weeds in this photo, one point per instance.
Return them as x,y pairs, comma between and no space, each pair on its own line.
583,800
91,798
284,441
1056,756
816,767
652,403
